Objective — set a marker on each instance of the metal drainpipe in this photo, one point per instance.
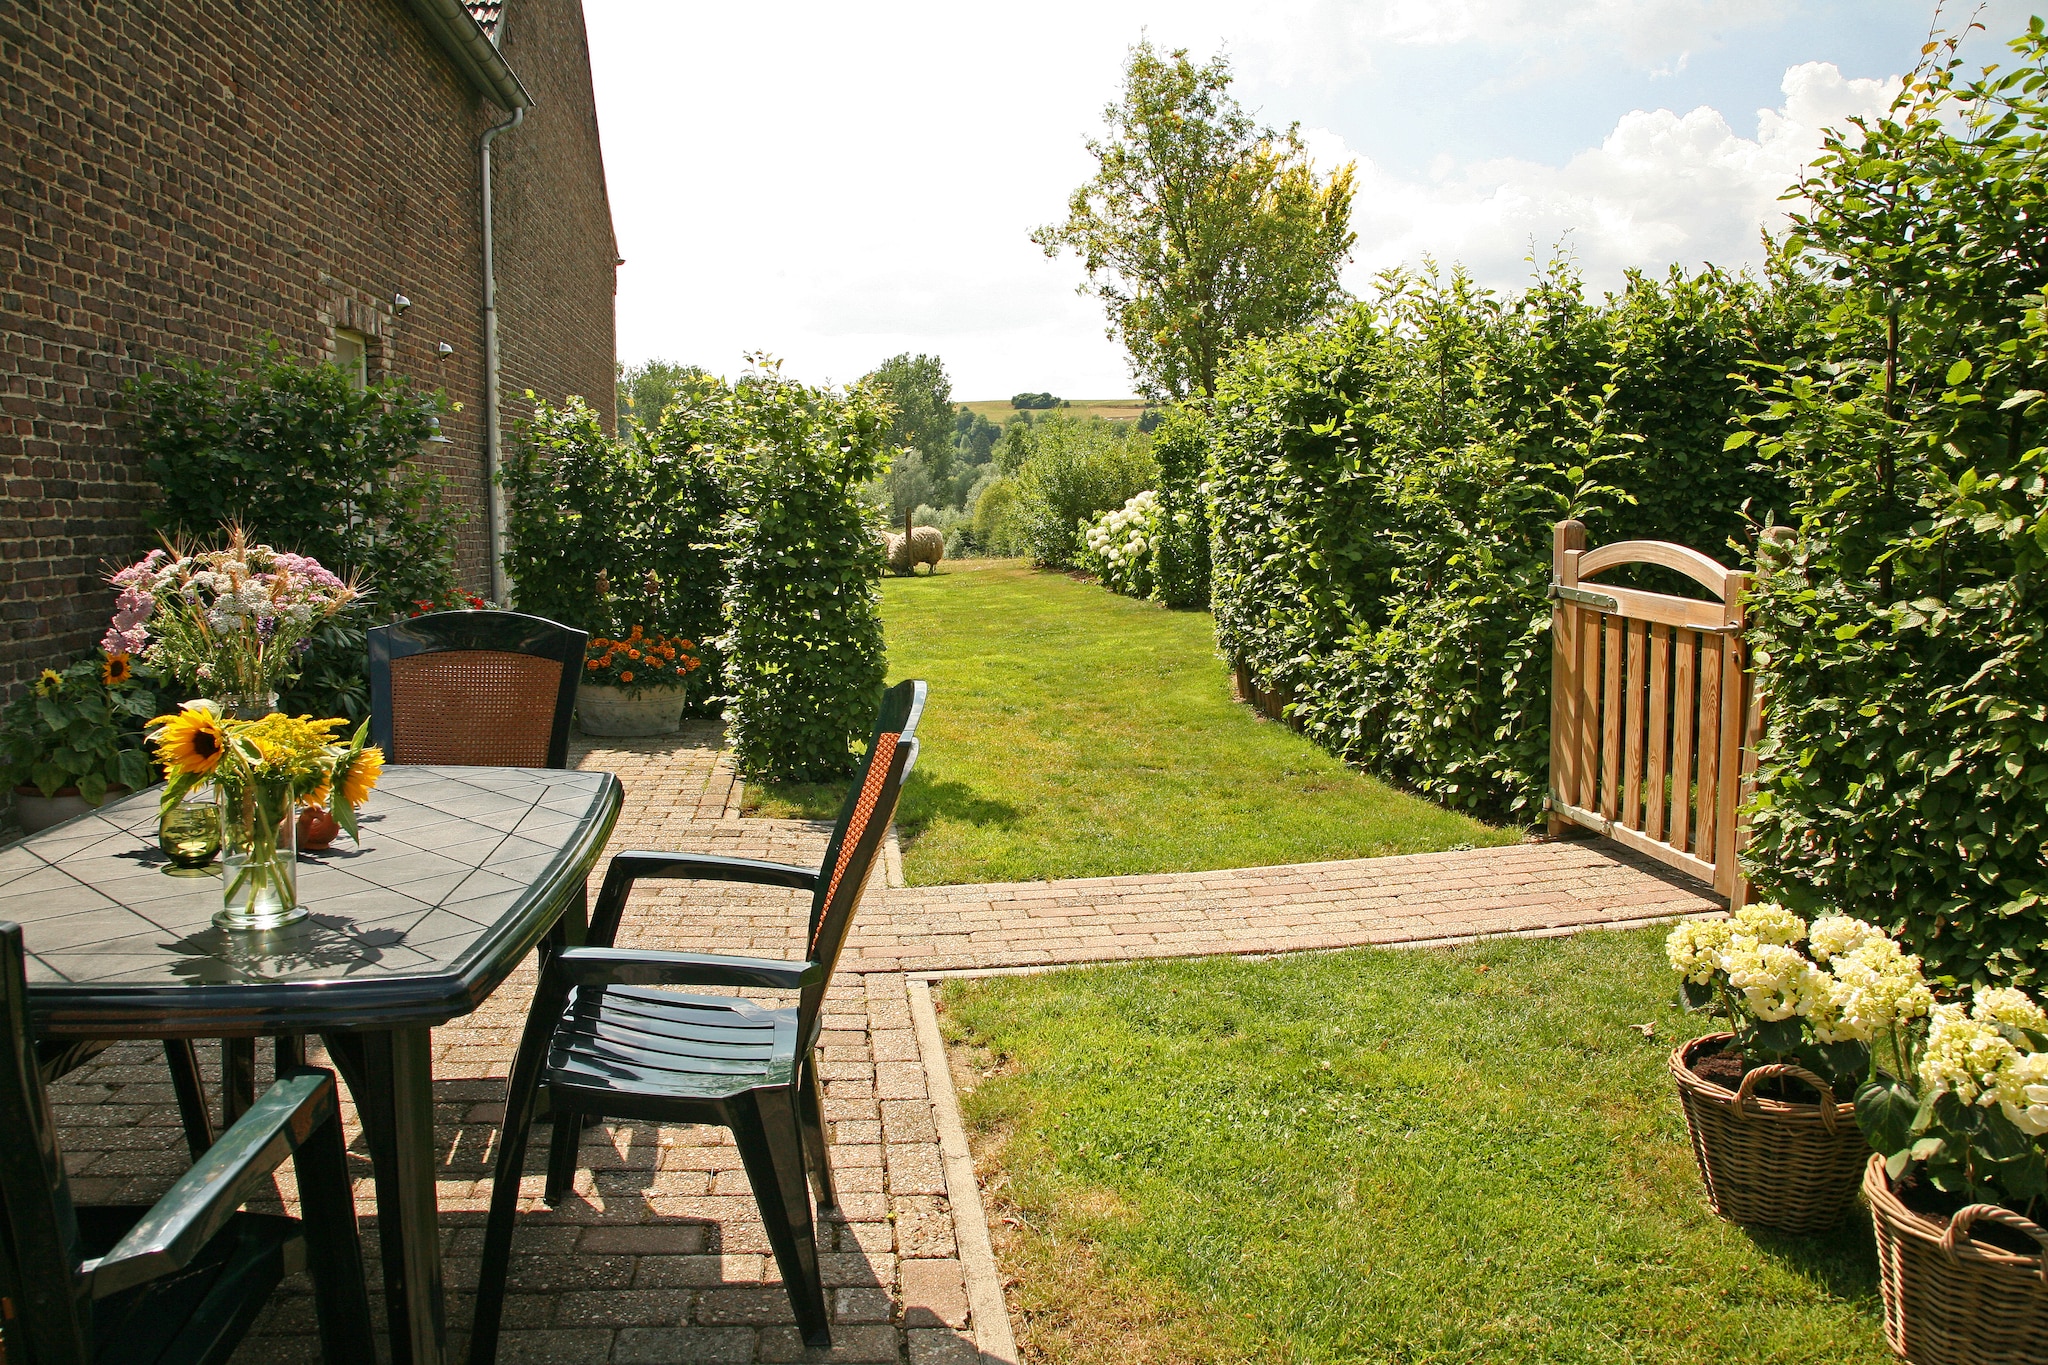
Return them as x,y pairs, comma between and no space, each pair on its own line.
493,441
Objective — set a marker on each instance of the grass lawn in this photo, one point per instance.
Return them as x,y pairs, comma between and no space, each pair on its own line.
998,410
1075,733
1419,1156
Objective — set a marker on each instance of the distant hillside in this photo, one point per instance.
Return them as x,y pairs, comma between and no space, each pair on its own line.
1114,409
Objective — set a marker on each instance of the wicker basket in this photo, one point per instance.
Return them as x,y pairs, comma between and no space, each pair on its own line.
1949,1300
1768,1163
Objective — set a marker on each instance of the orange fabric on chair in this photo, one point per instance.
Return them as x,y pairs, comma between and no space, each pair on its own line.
481,707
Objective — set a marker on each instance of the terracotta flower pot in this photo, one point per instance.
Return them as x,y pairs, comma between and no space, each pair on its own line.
1949,1298
34,811
1770,1163
615,712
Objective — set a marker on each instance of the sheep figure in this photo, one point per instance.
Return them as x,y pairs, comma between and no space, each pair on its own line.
917,545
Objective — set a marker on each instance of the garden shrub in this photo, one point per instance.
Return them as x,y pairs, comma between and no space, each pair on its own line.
1073,470
1901,639
1120,547
304,460
803,640
998,518
1180,443
608,534
1383,490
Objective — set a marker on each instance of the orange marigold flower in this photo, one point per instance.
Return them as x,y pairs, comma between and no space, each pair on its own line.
626,676
593,665
633,654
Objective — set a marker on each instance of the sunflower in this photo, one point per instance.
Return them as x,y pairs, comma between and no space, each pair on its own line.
317,796
50,683
116,671
191,741
362,775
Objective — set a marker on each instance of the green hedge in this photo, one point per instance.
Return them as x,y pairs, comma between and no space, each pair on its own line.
1383,490
1180,443
1901,643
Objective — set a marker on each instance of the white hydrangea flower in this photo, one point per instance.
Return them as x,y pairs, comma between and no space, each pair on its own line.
1694,947
1835,935
2022,1090
2005,1005
1964,1056
1768,923
1875,987
1776,982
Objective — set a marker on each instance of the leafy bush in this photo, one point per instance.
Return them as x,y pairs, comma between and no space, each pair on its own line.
1120,548
305,461
1073,471
1384,487
803,640
1903,639
606,535
1180,442
999,518
79,728
1033,400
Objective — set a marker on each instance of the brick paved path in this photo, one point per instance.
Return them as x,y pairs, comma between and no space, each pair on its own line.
659,1255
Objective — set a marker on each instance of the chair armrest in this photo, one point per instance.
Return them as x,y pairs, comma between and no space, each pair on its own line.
633,864
235,1168
647,967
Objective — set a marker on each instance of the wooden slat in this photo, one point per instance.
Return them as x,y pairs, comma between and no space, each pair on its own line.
1638,605
1632,763
1641,843
1732,725
1610,718
1654,796
1709,753
1685,718
1588,673
1564,701
1709,574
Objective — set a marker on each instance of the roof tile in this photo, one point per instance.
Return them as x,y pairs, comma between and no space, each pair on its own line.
486,13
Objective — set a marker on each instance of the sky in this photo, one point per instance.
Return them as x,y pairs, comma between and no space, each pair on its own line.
833,184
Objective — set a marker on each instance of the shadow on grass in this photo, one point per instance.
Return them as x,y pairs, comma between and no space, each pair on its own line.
923,802
1844,1261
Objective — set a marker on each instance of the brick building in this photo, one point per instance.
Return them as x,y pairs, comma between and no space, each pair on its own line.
179,178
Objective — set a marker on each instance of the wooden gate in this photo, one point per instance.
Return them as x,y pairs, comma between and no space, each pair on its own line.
1653,721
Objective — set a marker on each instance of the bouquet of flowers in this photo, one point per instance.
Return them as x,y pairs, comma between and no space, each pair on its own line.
639,661
226,623
264,770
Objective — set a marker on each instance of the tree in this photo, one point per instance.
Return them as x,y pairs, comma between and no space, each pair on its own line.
917,388
646,390
1201,228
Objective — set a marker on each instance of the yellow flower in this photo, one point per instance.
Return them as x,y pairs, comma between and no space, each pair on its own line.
362,775
191,741
317,796
50,683
116,671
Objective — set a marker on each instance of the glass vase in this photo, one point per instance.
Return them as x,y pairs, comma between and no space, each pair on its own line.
246,705
189,833
259,855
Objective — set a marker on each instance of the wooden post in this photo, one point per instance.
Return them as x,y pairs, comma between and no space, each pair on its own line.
1568,540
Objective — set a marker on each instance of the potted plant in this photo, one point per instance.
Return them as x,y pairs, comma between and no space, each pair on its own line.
1776,1146
1957,1112
228,624
634,686
74,738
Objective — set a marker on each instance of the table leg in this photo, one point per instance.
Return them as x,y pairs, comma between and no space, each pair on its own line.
237,1079
390,1076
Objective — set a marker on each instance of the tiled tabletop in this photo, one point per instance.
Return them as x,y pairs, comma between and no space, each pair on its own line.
453,864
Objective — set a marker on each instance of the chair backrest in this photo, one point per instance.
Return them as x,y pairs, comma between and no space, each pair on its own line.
39,1261
488,688
857,838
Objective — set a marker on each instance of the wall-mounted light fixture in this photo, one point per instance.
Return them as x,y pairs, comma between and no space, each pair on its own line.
444,349
399,303
437,438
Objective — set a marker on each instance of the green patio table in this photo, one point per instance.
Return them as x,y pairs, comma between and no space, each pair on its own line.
460,873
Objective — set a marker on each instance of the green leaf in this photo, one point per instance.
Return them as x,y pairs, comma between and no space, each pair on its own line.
1884,1111
1958,372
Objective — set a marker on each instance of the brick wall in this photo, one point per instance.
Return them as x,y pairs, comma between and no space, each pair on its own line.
181,177
556,256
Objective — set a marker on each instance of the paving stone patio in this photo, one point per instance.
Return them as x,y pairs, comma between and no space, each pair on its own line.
659,1255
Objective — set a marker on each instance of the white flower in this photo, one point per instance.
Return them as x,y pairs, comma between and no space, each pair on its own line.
1875,987
2022,1091
1776,981
1694,947
1965,1056
1768,923
2004,1005
1834,935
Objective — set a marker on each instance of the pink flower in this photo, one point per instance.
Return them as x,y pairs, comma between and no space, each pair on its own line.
128,633
303,566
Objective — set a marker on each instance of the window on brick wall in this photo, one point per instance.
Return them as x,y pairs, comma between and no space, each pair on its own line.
352,354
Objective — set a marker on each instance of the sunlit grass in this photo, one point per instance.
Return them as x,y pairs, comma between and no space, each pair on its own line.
1075,733
1430,1155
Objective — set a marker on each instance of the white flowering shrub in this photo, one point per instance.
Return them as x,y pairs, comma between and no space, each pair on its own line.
1121,547
1956,1092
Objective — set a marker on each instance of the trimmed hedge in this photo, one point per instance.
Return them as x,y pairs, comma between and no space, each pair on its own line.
1383,490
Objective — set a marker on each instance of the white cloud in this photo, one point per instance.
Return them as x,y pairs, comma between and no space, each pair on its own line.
1662,187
